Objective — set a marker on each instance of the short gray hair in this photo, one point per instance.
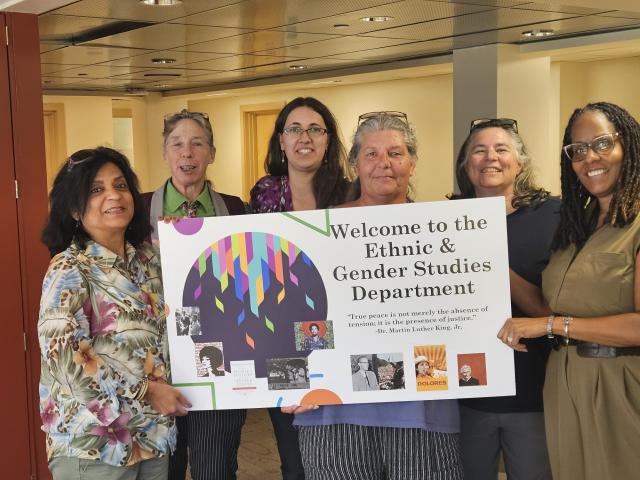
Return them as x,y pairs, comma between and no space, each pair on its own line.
202,119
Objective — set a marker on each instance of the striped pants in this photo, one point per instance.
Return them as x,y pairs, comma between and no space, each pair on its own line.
354,452
212,438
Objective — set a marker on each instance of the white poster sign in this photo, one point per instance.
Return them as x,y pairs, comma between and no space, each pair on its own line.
371,304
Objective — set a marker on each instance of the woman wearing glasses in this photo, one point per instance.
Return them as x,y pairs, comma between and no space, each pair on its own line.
592,387
305,161
305,166
376,441
492,162
103,385
212,436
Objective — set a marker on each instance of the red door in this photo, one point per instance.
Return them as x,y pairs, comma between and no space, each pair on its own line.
24,259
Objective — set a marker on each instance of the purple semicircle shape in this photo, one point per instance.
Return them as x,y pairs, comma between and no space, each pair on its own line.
189,226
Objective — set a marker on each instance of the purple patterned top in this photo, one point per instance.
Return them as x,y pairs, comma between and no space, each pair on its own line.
271,194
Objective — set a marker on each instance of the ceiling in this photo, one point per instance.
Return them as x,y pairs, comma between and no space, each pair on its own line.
113,46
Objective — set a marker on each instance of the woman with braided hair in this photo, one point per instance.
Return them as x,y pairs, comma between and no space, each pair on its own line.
592,386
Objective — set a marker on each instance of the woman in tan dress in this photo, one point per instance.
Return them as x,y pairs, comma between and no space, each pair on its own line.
592,387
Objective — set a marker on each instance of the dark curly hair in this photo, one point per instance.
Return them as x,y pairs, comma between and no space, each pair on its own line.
213,354
70,194
330,185
579,211
525,191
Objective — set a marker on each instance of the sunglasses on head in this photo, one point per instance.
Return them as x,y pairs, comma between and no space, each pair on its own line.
74,160
508,123
183,114
400,115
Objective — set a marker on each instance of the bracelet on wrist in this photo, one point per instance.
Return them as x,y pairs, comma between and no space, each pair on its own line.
144,386
550,326
567,322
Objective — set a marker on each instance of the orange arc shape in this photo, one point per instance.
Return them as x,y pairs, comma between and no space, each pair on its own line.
321,396
167,310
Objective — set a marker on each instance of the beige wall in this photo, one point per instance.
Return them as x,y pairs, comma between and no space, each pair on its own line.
427,102
88,121
614,81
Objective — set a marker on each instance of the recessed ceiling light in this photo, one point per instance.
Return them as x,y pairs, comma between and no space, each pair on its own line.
538,33
380,18
161,85
326,82
163,61
341,25
161,3
219,94
298,67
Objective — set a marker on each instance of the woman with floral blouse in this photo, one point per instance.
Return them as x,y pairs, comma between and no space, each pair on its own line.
105,403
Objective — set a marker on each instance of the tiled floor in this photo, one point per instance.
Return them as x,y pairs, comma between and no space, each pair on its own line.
258,456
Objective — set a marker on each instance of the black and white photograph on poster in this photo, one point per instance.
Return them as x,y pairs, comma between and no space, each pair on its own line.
390,370
188,321
287,373
363,377
209,359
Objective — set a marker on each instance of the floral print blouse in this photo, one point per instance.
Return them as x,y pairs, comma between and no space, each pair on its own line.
271,194
101,331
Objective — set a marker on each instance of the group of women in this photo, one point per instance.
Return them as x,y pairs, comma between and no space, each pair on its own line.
109,412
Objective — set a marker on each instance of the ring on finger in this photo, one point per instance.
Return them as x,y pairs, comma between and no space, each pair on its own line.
509,339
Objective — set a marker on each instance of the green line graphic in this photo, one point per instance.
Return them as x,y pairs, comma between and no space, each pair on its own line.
326,232
207,384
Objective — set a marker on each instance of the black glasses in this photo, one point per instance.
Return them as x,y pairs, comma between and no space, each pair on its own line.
508,123
181,115
602,145
313,132
400,115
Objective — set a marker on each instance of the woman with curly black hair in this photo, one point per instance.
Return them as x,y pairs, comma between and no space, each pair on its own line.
592,386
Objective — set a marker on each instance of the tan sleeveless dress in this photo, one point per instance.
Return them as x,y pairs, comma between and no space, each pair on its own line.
592,405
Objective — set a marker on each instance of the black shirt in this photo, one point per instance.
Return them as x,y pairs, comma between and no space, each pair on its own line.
529,232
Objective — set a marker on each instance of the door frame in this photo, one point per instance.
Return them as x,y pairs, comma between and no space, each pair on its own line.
248,134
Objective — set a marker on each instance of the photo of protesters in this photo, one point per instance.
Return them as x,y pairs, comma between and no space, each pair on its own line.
188,321
287,373
390,369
